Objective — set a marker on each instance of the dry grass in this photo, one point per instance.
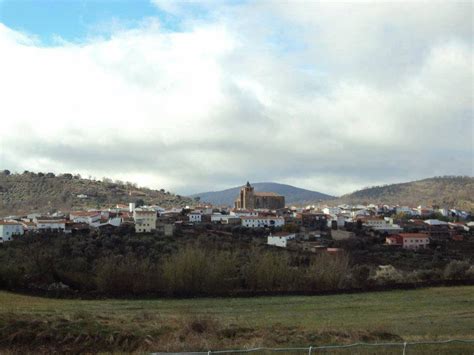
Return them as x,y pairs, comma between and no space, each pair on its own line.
32,324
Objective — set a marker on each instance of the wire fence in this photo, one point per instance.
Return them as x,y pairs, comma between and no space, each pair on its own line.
464,347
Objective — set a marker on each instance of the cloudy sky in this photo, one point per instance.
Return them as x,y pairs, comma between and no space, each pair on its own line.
195,96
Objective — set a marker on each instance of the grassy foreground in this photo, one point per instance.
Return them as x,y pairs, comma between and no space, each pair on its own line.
42,324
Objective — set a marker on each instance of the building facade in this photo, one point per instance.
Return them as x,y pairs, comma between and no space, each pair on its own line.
8,229
249,199
409,240
145,220
262,222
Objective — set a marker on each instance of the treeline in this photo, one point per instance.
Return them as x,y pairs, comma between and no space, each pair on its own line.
145,265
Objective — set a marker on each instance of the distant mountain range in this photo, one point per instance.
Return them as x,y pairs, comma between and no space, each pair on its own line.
293,195
448,191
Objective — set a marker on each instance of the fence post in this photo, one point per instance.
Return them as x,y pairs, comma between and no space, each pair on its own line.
310,348
404,348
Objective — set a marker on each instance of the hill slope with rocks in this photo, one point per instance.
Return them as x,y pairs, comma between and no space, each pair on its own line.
449,191
39,192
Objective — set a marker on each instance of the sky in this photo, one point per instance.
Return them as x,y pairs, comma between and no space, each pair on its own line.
204,95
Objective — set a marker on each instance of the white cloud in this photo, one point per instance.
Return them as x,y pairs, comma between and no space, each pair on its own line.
327,96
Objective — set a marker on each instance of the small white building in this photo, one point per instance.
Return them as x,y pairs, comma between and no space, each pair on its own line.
339,219
262,221
435,222
8,229
332,210
195,217
88,217
280,239
409,240
244,213
44,223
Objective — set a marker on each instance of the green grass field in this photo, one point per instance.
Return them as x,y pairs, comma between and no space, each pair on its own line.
201,324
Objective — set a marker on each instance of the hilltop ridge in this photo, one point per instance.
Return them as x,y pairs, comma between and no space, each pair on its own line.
45,192
447,191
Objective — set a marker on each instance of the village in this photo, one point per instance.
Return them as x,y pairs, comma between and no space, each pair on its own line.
305,228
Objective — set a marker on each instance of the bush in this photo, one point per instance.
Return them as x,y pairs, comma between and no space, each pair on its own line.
268,271
198,271
359,276
125,275
327,272
456,270
387,275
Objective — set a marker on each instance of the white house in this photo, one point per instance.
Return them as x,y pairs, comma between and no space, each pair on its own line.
262,221
89,217
340,220
372,222
435,222
280,239
195,217
8,229
332,210
224,218
145,220
244,213
409,240
44,223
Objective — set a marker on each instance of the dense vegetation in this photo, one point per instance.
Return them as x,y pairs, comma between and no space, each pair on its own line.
45,192
33,324
446,191
126,264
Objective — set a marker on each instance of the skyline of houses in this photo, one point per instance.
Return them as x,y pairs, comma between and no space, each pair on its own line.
403,226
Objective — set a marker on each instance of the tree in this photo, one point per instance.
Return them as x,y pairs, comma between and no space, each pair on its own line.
6,172
139,202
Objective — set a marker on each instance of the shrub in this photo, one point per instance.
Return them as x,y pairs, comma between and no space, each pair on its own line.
124,275
359,276
327,272
387,275
456,270
268,271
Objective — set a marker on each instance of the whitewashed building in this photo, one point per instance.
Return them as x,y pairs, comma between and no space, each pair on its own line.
88,217
44,223
332,210
195,217
339,219
8,229
244,213
262,221
280,239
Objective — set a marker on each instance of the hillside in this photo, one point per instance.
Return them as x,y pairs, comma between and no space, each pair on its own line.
31,192
293,195
449,191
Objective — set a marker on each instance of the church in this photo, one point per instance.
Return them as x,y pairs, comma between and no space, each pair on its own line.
248,199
